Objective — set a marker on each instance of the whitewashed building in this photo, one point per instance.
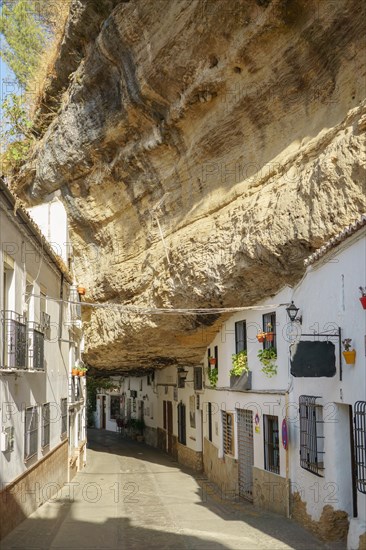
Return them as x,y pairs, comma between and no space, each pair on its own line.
40,339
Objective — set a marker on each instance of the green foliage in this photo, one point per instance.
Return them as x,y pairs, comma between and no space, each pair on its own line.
136,425
23,24
93,385
213,375
268,357
240,363
16,133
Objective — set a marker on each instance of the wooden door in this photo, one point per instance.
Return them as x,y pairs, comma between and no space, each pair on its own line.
169,418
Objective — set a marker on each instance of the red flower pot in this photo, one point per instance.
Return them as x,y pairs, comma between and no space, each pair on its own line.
363,301
261,337
212,361
269,336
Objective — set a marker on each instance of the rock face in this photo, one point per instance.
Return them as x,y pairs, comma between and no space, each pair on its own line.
203,148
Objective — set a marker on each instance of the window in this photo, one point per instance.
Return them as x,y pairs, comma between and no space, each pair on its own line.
228,433
197,378
269,325
240,336
311,435
30,432
115,404
63,416
217,357
182,423
209,414
45,439
360,444
208,358
271,444
164,414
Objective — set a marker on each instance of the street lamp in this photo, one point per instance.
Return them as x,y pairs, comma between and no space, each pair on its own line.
292,311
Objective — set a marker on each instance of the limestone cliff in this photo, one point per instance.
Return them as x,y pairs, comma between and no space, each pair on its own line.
203,149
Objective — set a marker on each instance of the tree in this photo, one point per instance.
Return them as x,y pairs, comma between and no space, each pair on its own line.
25,30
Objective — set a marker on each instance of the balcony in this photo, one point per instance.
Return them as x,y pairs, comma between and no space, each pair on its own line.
15,340
23,347
35,347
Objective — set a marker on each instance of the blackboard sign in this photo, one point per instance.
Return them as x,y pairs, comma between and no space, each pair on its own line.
313,359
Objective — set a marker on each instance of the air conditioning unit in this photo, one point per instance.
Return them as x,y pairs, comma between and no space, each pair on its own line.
45,320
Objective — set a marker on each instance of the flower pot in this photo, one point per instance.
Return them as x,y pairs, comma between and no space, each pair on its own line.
261,337
82,372
74,372
349,356
212,361
81,290
363,301
269,336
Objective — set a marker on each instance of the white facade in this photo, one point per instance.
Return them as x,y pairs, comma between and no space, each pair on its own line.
40,338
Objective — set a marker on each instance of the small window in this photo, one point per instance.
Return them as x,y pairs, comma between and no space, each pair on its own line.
228,433
269,325
164,415
240,336
141,384
360,444
311,435
115,407
209,414
271,444
63,416
45,440
208,358
148,380
197,373
217,357
30,432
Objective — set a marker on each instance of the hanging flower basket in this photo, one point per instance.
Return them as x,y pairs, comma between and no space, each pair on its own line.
212,361
350,356
81,290
269,336
74,372
261,336
363,301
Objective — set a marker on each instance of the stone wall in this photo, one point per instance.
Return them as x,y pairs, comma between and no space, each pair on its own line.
151,436
189,457
222,471
270,491
332,525
26,493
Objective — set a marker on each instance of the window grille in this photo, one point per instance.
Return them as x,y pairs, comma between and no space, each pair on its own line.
269,325
197,378
228,433
15,340
45,425
63,416
360,444
271,444
182,423
30,432
240,336
311,435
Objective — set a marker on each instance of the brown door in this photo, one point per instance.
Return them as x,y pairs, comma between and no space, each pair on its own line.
103,412
169,427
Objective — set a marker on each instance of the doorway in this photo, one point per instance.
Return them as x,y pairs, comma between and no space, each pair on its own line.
245,453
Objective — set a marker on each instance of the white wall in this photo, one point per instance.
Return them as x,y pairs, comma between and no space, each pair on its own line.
51,218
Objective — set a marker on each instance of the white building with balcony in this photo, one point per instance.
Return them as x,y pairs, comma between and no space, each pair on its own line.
42,405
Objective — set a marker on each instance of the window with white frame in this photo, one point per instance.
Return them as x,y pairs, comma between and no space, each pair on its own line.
228,432
45,439
63,416
30,432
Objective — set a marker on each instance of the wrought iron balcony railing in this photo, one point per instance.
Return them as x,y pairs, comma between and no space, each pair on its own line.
14,329
35,346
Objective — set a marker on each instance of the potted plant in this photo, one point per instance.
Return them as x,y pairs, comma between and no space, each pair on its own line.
75,370
81,290
268,357
363,296
269,334
348,353
212,360
82,371
240,366
261,336
213,375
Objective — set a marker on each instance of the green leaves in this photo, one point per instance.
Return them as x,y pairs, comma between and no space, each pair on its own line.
240,363
268,357
213,375
16,133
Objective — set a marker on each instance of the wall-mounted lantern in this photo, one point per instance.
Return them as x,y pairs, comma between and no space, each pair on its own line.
292,311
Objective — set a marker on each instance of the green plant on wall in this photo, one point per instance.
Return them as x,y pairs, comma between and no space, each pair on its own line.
240,363
213,375
268,358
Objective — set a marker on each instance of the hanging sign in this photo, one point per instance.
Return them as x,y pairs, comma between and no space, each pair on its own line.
284,434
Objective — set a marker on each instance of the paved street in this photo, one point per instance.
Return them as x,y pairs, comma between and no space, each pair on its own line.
131,496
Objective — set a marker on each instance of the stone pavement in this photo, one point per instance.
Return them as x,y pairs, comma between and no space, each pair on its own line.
132,496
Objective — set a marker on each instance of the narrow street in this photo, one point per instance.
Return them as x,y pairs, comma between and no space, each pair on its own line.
132,496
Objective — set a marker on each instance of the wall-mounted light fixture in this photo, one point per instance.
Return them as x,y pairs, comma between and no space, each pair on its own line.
292,311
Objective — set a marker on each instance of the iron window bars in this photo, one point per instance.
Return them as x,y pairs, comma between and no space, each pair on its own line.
360,444
311,434
240,336
197,378
23,342
63,416
30,432
271,444
227,433
46,424
269,320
